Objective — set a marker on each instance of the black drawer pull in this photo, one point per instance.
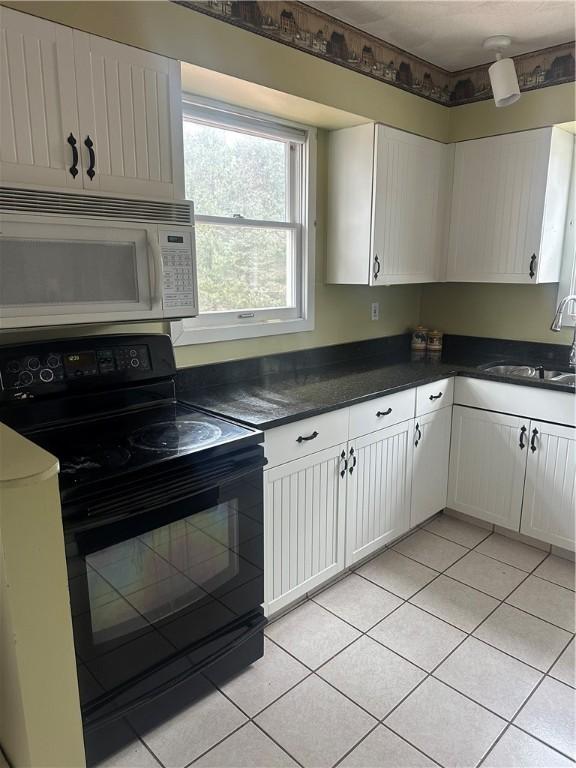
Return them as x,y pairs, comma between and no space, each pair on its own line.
418,435
73,170
384,413
435,397
89,144
533,440
302,439
521,443
531,271
353,459
345,460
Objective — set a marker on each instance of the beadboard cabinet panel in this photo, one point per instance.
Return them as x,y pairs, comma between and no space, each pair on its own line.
38,110
487,465
549,507
430,466
128,103
304,519
378,494
508,210
409,207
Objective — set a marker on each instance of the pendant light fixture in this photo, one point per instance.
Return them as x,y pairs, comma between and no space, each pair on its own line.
503,78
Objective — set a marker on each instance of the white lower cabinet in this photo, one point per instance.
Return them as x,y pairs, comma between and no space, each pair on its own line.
487,465
378,489
304,525
548,511
430,465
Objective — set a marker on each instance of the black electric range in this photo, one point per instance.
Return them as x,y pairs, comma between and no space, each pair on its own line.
162,515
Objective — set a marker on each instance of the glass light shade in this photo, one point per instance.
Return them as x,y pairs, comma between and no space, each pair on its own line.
504,82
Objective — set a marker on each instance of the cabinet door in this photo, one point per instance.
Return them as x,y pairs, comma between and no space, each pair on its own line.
38,110
303,525
487,465
378,494
431,459
411,177
548,510
497,208
129,105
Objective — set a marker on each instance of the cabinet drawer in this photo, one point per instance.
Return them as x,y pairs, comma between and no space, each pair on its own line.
432,397
381,412
292,441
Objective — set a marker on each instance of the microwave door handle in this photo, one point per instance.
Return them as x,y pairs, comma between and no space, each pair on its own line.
157,268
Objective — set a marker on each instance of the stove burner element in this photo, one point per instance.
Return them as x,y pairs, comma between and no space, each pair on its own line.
98,458
175,436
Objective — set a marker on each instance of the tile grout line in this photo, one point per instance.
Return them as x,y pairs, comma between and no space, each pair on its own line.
363,633
467,634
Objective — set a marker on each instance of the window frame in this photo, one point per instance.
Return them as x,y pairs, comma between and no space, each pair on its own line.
239,324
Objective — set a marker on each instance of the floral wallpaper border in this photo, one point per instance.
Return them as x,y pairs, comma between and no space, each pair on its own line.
308,29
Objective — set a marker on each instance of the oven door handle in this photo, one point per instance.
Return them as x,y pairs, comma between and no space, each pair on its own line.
254,622
136,504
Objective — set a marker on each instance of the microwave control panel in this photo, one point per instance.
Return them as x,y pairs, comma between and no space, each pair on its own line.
57,366
179,282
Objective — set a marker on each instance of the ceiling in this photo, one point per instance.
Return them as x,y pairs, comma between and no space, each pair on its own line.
449,33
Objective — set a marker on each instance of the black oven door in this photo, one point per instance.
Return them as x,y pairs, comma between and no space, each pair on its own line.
165,577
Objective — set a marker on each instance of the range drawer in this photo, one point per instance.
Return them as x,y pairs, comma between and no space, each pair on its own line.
292,441
432,397
381,412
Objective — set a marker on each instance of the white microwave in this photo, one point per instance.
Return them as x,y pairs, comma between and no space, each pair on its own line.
92,264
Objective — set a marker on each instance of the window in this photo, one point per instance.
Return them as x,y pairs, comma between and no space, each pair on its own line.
250,178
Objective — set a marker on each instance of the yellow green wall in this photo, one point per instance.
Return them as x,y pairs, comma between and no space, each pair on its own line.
342,312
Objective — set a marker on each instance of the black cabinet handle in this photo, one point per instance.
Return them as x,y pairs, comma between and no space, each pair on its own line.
353,459
384,413
533,440
418,435
435,397
305,439
532,263
345,460
521,443
74,167
376,267
89,144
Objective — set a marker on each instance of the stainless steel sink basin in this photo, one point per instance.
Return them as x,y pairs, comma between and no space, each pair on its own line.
512,370
565,378
531,372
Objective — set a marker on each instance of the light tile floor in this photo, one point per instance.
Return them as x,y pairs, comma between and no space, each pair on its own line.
454,648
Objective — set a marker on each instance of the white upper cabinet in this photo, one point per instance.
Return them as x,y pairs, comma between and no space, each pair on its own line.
82,112
129,110
508,212
38,111
387,200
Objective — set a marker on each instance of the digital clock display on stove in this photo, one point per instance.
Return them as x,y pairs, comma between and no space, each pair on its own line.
80,364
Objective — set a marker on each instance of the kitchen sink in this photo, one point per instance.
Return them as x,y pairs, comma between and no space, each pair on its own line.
531,372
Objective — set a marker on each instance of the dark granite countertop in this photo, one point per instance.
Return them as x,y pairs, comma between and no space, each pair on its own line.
272,400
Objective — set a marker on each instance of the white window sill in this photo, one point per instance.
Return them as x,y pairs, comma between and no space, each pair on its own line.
186,332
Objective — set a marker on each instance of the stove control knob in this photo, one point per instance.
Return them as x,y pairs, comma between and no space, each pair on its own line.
13,366
46,375
133,353
25,379
134,362
33,363
53,361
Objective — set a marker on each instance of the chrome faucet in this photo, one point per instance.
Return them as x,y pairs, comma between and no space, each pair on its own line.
557,323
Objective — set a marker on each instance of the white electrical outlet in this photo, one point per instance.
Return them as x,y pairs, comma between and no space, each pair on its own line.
375,313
